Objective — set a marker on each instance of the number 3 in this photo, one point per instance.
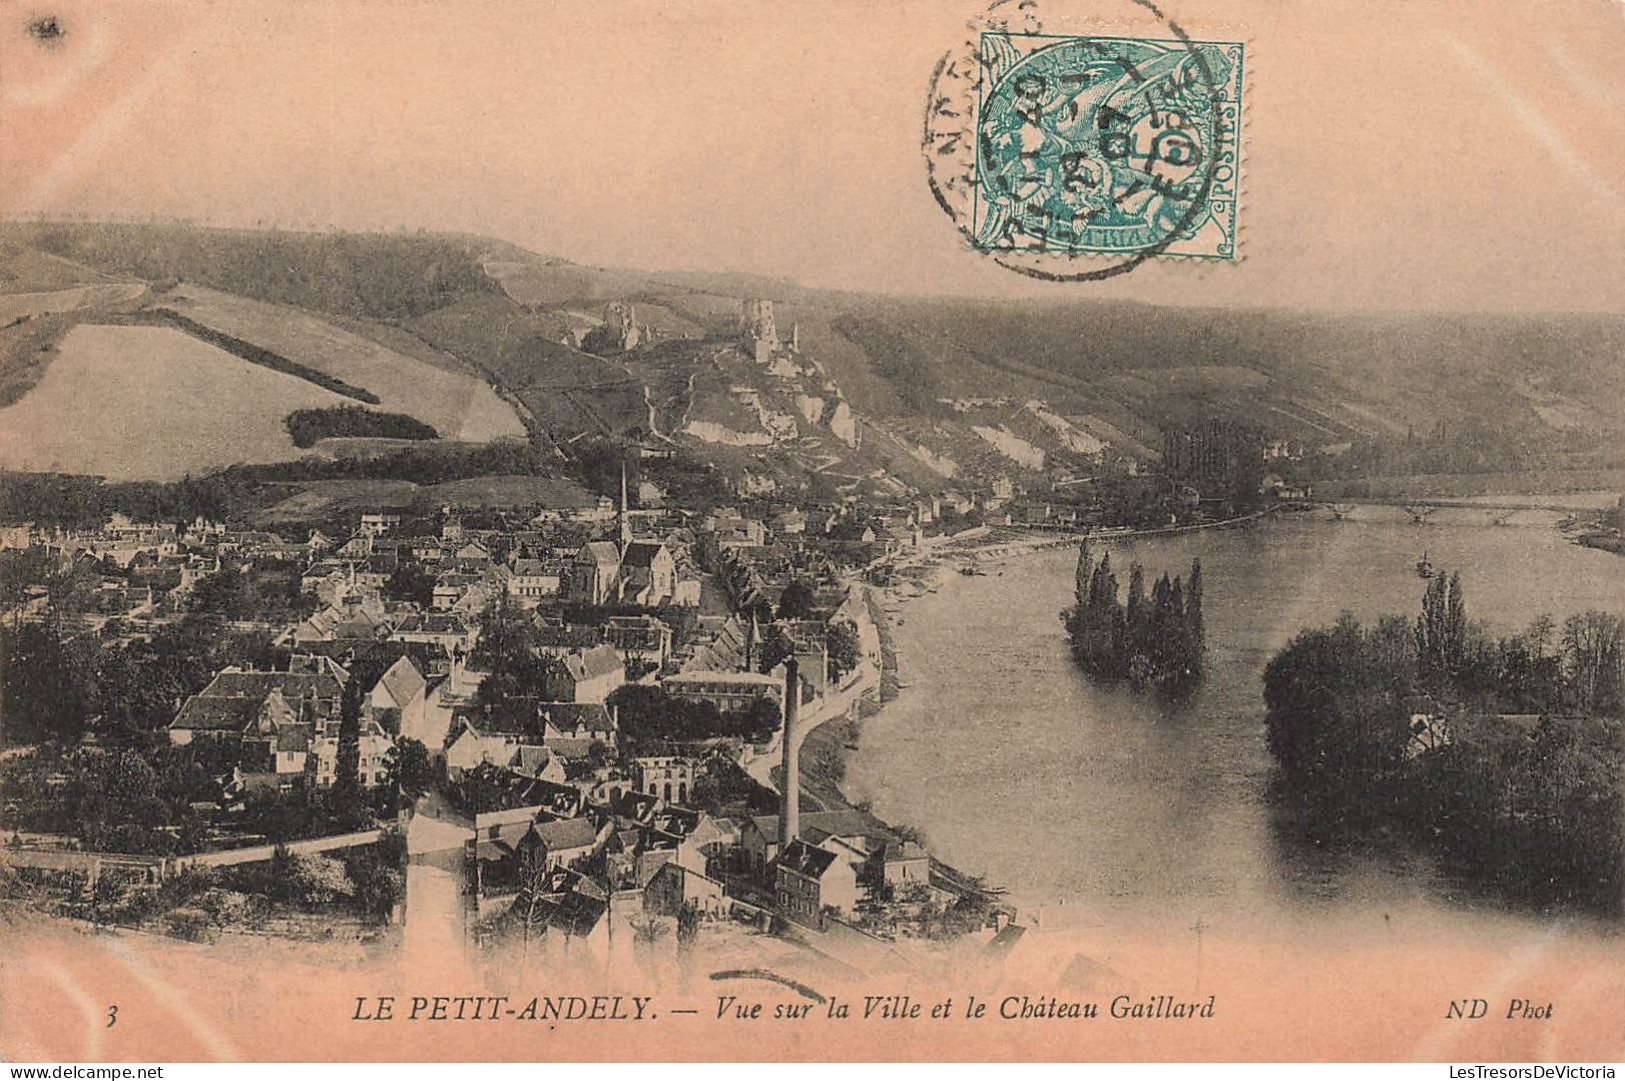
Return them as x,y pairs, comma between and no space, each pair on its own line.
112,1016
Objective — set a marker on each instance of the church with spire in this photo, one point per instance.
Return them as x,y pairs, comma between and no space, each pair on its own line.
626,570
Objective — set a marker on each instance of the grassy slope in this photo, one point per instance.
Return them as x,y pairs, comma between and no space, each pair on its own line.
379,276
567,391
25,269
27,348
326,499
449,396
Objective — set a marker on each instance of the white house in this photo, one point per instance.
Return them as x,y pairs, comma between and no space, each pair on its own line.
374,765
474,746
535,579
401,693
590,675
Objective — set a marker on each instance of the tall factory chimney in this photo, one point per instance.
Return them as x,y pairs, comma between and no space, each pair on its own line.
790,783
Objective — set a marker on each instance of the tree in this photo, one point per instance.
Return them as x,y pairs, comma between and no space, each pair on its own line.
1153,642
530,908
1093,634
21,568
410,583
1195,632
1177,663
1080,577
1455,626
114,800
845,651
1135,612
762,719
647,931
796,602
1592,658
597,757
503,641
602,461
688,927
347,770
1158,621
44,685
1441,632
773,650
507,653
1334,707
375,876
411,769
1539,635
641,711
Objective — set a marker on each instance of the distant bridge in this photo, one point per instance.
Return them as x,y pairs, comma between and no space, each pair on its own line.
1421,510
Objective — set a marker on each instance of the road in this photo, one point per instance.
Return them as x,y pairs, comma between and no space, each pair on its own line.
436,827
760,765
435,913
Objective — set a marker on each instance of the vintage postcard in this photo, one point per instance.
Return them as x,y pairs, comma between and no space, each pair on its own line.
756,530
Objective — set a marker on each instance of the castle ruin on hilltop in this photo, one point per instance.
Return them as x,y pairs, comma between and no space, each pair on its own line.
759,334
620,322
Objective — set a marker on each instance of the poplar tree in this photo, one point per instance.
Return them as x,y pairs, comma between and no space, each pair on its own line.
1136,607
1441,631
1151,641
1080,588
1455,626
347,770
1196,633
1178,648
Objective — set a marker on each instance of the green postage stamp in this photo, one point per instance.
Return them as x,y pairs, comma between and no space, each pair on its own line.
1109,145
1091,145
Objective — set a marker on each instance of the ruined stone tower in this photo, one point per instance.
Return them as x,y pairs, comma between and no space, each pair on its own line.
620,319
757,332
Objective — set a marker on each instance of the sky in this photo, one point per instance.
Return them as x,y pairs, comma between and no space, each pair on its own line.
1429,154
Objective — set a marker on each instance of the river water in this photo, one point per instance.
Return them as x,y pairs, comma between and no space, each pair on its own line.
1016,767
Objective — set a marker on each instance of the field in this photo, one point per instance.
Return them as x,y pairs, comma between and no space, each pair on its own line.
326,499
45,296
672,311
510,491
151,403
26,350
24,270
554,285
457,405
16,306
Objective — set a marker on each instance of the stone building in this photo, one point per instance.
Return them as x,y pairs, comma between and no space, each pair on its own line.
757,332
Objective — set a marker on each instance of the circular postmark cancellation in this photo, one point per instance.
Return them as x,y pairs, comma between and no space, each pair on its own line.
1044,147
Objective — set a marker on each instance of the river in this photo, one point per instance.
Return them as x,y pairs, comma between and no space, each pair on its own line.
1016,767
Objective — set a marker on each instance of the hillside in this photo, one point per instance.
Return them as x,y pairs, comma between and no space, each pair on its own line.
479,339
375,275
311,310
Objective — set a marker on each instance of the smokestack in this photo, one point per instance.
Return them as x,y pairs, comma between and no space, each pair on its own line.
790,783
